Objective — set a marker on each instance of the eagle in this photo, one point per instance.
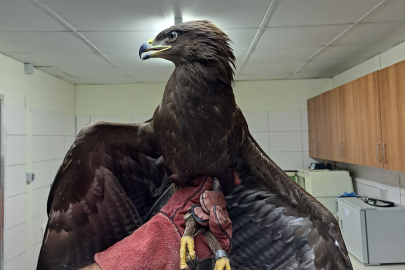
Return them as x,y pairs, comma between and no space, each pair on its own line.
115,176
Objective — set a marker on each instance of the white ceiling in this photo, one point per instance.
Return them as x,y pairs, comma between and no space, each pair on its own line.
97,41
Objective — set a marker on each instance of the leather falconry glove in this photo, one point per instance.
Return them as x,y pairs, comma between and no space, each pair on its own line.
156,244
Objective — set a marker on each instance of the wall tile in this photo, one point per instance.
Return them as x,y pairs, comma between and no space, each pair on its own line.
285,141
41,148
39,199
15,180
57,147
81,122
68,142
16,150
285,121
305,141
19,262
402,182
15,120
37,228
16,241
35,255
42,172
304,120
69,125
16,210
55,164
40,122
108,118
257,121
56,124
362,189
140,118
307,160
262,138
287,160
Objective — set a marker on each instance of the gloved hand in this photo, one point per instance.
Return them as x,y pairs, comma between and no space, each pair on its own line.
156,244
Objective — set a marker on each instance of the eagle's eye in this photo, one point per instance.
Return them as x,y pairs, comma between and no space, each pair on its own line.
172,36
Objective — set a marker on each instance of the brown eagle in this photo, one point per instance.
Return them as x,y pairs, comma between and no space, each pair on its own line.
116,176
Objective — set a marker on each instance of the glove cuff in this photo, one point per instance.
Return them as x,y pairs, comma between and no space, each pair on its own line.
220,254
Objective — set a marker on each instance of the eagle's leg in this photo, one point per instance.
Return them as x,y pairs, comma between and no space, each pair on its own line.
187,253
221,263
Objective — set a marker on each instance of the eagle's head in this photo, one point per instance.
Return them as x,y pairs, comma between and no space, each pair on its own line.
191,42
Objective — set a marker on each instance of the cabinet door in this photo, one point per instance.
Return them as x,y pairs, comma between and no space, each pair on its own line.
312,126
367,106
322,136
350,138
335,125
392,101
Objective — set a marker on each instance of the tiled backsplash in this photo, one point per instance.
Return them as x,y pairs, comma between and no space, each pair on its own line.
377,182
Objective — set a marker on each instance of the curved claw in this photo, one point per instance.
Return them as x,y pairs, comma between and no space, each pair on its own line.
222,264
187,244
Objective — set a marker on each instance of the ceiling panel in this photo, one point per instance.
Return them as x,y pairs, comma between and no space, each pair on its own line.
241,38
119,42
139,72
227,14
107,15
314,74
52,71
92,72
389,11
270,68
22,57
331,65
108,80
4,48
269,76
45,42
70,60
299,37
281,55
26,16
373,33
133,60
319,12
352,51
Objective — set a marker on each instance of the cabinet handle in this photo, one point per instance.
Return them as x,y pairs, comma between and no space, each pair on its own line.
383,153
378,152
343,150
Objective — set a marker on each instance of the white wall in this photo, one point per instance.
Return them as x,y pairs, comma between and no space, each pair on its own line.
38,117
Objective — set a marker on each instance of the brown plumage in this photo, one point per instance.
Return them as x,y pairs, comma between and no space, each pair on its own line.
114,176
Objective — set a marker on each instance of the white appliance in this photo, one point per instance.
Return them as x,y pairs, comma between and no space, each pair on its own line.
325,185
374,235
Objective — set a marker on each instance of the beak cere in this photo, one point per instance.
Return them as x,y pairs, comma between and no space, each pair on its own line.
147,46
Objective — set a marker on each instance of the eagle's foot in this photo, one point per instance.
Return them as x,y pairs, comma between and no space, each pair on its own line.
222,264
187,252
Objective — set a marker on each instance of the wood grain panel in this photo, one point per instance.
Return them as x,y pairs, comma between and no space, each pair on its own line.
367,107
392,101
312,126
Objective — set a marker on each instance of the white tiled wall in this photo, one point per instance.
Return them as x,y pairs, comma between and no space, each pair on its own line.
283,135
15,186
377,182
52,135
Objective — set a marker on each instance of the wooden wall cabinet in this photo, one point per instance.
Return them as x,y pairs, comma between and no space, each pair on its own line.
361,122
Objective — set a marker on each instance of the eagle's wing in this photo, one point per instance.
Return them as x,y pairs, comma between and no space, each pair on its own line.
106,187
273,232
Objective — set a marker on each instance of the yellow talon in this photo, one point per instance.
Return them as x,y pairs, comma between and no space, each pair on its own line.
222,264
187,244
